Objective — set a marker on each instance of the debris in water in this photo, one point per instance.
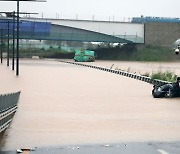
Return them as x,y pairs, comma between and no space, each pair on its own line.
19,151
26,149
107,145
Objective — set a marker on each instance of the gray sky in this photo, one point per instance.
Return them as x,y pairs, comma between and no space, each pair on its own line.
98,9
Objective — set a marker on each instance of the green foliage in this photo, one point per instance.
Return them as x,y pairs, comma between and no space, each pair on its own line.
134,52
165,76
116,53
153,53
127,52
75,43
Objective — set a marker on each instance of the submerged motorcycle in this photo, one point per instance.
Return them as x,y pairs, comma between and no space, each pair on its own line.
168,90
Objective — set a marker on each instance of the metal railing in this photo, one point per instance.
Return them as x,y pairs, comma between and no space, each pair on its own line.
8,106
121,72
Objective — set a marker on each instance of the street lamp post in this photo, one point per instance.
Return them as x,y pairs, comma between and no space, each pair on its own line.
13,14
1,45
17,48
13,40
8,45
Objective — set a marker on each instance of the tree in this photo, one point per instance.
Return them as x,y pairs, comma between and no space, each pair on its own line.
75,43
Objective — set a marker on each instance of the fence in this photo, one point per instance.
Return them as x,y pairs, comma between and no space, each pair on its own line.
8,106
121,72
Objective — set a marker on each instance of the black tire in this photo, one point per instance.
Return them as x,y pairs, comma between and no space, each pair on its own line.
169,94
166,95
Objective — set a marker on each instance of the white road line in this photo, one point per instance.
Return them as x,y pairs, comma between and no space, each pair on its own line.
162,151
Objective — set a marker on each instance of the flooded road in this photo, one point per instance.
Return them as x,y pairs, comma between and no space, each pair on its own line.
66,104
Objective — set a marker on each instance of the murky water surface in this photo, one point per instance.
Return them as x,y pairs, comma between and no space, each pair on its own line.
66,104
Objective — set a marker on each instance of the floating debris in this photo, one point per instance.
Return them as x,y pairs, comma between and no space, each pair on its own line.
107,145
19,151
25,149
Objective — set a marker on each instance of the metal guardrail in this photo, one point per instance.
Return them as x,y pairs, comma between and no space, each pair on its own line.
8,106
121,72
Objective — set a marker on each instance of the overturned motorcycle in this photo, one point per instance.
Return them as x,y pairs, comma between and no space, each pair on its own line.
168,90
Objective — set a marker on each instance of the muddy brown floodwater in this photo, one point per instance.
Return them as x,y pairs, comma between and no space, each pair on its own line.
67,104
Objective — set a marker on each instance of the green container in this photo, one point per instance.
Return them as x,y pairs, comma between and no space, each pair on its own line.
84,56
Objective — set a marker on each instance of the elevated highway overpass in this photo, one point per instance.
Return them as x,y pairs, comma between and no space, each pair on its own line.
79,30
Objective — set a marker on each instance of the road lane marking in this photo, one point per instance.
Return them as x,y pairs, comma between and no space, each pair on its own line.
162,151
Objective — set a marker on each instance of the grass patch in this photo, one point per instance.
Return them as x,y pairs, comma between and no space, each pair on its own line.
153,53
165,76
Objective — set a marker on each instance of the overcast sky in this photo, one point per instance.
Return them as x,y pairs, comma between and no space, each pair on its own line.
98,9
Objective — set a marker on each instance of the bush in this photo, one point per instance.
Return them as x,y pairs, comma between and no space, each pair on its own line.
165,76
153,53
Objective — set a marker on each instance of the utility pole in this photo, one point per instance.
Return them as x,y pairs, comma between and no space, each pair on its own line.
17,47
13,40
1,45
8,45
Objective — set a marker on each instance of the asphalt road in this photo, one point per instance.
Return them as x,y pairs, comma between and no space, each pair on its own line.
121,148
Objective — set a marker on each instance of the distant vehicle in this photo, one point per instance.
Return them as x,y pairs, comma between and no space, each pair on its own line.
84,56
177,47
